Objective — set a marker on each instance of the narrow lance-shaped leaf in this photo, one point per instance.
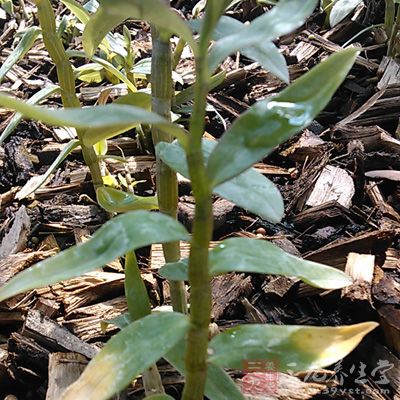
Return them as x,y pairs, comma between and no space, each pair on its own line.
262,257
77,9
106,65
111,13
114,239
219,385
285,17
22,48
127,354
37,181
113,200
249,190
262,51
109,118
35,99
294,348
269,122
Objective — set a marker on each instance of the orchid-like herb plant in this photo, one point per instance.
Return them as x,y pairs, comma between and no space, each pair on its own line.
222,168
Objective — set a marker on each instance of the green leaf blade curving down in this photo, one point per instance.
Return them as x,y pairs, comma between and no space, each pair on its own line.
292,347
25,44
124,233
249,190
111,13
269,122
114,200
127,354
262,257
103,121
37,181
35,99
78,10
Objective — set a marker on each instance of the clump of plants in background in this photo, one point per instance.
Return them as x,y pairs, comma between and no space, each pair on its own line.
223,168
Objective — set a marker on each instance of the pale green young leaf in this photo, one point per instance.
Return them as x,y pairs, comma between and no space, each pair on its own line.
262,257
110,119
270,122
114,200
115,238
249,190
107,66
127,354
219,385
35,99
341,9
25,44
111,13
295,348
37,181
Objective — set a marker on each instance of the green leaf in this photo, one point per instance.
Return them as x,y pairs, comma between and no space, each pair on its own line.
127,354
78,10
159,397
279,21
136,99
111,13
37,181
35,99
108,118
22,48
107,66
219,385
269,122
293,348
114,200
90,73
262,257
263,51
101,148
124,233
249,190
341,9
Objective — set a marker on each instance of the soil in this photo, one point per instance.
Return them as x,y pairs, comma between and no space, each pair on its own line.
339,179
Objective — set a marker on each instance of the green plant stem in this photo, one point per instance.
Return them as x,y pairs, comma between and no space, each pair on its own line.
66,78
166,180
393,34
178,52
390,10
199,278
138,307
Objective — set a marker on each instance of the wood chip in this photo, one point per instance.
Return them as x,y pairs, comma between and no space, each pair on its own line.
333,184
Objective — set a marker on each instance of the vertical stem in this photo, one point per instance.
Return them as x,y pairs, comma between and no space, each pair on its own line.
166,181
389,16
394,31
66,78
138,307
200,292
